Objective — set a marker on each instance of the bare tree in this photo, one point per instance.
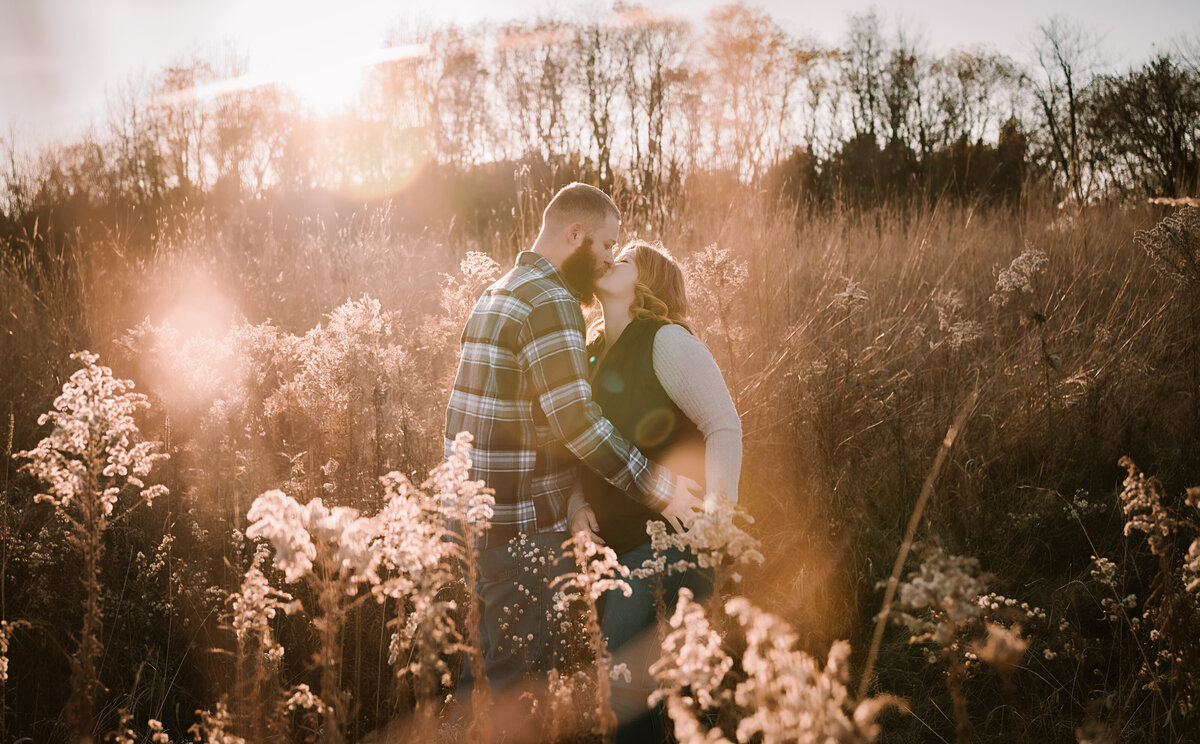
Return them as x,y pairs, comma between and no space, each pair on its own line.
1064,53
754,74
453,80
863,70
902,86
1147,124
654,50
135,165
533,64
184,122
969,84
599,75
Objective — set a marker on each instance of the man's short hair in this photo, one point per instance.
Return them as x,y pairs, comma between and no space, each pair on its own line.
579,202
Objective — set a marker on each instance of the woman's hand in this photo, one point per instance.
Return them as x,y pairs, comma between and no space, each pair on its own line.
685,504
584,521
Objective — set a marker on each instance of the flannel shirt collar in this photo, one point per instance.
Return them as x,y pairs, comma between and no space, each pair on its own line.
542,265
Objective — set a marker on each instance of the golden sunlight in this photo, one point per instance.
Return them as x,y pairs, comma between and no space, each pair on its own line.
319,52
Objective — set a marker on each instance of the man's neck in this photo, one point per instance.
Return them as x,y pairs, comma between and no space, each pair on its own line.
550,253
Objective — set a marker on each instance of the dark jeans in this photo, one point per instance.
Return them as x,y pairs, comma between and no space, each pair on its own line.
518,631
628,624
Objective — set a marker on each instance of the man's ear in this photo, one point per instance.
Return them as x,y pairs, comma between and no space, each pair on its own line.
575,233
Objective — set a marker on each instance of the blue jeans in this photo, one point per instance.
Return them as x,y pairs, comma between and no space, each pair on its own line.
629,626
518,631
520,638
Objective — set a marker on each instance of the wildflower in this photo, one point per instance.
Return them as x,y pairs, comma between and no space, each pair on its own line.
88,460
479,268
714,537
6,631
421,549
694,663
410,537
157,736
714,276
944,590
255,606
1104,571
1018,277
1142,502
462,500
714,267
789,696
124,734
1191,568
303,697
279,518
785,695
1003,649
1174,245
212,727
959,333
94,436
852,298
599,572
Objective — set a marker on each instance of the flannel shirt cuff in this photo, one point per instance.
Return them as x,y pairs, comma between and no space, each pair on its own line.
660,488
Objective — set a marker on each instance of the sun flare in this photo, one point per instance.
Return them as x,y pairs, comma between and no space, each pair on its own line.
317,51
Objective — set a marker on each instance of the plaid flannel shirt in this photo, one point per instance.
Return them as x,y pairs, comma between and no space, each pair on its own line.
522,391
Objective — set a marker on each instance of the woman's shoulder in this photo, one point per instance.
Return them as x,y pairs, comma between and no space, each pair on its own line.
674,334
676,343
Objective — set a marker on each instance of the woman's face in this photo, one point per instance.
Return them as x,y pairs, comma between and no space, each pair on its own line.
618,282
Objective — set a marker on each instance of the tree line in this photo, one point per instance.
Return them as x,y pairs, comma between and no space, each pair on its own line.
639,102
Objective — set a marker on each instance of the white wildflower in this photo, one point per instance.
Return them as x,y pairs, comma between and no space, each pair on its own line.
785,696
1018,277
852,297
959,333
599,572
1191,568
6,631
255,606
303,697
789,696
212,727
1003,649
941,596
157,735
714,538
279,518
92,451
694,663
462,499
1142,502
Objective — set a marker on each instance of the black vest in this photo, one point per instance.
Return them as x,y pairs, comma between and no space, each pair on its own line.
627,390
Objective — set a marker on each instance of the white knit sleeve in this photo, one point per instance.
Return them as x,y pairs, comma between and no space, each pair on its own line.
690,376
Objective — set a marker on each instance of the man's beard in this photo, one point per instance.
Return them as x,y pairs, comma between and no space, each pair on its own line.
580,271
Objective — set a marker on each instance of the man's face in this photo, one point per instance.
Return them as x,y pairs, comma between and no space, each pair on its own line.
592,258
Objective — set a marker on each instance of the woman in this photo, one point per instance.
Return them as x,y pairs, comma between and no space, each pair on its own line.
660,387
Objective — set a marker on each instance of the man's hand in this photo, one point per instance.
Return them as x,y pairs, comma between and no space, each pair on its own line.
584,520
684,504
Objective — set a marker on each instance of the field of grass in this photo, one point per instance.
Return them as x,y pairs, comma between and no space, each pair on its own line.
315,356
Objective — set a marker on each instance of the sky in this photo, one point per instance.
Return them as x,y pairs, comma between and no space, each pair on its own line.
60,60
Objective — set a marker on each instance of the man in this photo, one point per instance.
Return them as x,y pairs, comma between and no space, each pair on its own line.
522,391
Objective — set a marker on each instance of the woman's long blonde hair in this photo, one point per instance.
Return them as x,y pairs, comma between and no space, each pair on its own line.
660,292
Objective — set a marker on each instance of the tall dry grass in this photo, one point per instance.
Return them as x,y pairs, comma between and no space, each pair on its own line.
849,340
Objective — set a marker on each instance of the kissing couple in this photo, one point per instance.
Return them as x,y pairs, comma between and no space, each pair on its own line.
586,437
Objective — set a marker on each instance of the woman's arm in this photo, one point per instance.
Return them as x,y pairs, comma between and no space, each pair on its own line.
690,375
